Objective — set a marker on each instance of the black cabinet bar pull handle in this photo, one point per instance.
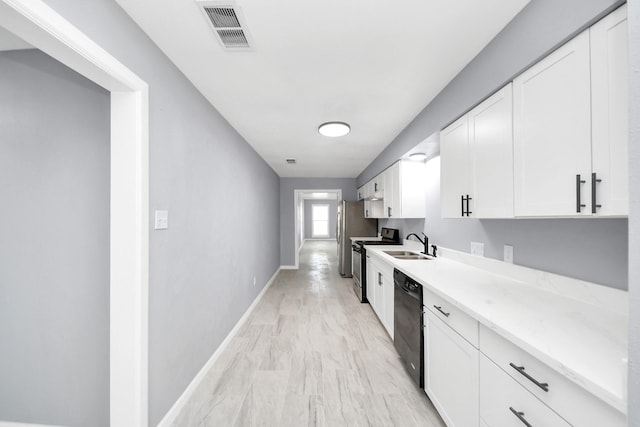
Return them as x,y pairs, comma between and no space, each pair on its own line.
594,204
439,308
579,205
389,211
520,416
520,369
461,205
468,211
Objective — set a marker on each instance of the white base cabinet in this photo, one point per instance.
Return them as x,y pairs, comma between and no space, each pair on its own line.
504,402
451,373
380,287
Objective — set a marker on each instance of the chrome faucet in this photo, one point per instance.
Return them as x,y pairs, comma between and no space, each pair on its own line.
425,242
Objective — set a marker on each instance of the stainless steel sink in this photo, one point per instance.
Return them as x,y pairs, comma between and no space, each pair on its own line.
406,255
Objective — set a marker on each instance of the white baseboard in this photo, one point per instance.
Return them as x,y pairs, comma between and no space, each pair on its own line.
172,414
288,267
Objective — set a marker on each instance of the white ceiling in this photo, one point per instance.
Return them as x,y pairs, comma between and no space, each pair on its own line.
371,64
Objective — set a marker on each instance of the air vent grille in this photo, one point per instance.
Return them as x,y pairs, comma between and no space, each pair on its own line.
291,161
228,23
233,38
222,17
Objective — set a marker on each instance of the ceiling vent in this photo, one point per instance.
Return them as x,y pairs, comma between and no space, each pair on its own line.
227,22
291,161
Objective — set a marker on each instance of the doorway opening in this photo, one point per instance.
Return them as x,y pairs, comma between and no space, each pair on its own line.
303,224
36,23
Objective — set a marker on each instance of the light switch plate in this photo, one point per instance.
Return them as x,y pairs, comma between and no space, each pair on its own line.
508,253
477,248
162,220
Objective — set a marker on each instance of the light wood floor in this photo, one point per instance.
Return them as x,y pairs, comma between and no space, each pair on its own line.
310,355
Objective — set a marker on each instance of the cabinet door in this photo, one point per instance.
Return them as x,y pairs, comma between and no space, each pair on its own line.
370,283
552,133
361,193
610,127
367,209
392,208
378,186
491,157
379,291
451,374
412,189
454,167
388,297
388,192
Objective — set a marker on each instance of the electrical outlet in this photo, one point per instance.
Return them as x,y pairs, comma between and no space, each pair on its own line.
254,280
508,253
477,248
162,220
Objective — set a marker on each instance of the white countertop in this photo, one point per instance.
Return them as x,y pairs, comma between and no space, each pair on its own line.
580,331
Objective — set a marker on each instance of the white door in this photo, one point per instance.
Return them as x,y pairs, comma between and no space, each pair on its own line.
491,156
609,97
552,133
454,168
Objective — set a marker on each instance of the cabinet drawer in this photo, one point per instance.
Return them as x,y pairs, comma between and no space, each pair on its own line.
572,402
504,402
459,321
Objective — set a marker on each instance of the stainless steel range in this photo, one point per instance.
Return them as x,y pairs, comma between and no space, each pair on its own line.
390,236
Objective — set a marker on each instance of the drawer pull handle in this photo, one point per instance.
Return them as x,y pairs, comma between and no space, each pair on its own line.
439,308
520,369
520,416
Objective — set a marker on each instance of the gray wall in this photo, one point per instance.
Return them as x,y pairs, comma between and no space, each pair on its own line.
308,223
287,207
54,243
223,203
634,215
592,249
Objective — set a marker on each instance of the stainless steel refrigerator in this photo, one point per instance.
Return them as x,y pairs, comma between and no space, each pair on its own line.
351,223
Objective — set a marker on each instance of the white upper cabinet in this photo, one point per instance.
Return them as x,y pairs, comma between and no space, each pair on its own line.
552,133
609,124
571,125
477,161
454,168
404,190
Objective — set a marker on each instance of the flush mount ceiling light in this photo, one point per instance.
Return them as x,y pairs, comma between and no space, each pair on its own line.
334,129
418,157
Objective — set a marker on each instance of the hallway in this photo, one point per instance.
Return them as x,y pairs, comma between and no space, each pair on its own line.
310,354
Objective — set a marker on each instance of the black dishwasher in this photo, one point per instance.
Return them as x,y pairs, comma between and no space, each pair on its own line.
408,336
